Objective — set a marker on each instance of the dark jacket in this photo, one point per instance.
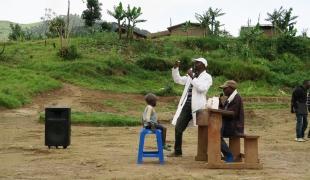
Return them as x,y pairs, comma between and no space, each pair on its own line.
308,101
233,125
299,100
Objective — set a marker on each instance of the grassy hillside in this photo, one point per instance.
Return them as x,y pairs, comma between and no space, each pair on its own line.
108,64
5,28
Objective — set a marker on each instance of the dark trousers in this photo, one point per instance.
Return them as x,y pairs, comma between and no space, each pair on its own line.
182,122
224,147
163,132
301,125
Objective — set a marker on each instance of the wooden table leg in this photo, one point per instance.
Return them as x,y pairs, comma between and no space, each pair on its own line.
214,139
202,149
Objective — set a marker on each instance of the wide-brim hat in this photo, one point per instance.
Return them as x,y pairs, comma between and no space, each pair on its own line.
230,83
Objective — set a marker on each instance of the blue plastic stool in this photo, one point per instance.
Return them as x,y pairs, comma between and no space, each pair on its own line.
159,153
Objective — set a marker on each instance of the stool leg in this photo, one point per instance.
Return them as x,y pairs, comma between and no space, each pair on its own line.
141,146
160,147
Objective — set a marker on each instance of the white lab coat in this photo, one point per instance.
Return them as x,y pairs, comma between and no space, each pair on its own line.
201,85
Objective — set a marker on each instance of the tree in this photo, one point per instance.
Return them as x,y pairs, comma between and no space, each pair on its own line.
16,32
28,34
105,26
57,25
119,15
135,15
283,21
61,26
204,21
209,22
213,22
92,13
132,16
185,27
304,33
48,16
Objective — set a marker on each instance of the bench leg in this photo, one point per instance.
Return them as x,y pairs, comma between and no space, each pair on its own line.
234,146
251,150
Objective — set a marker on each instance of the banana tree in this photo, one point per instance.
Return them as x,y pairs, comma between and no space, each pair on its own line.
282,20
119,15
135,19
204,21
132,15
213,15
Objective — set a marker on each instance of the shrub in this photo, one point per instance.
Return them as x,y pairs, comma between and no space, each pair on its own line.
266,48
208,43
290,80
154,63
186,60
238,70
117,67
68,53
286,64
295,45
168,90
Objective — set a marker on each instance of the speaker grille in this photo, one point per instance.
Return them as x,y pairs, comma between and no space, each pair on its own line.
57,126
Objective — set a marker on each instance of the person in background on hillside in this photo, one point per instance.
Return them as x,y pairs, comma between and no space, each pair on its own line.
149,118
232,125
197,83
299,107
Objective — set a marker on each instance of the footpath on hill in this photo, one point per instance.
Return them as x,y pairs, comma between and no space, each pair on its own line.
110,152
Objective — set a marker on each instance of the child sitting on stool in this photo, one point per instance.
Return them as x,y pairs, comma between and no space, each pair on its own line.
150,118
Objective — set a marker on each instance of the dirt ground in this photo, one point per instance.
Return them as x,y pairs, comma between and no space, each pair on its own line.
111,152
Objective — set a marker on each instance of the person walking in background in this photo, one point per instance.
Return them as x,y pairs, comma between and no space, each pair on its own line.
197,83
299,107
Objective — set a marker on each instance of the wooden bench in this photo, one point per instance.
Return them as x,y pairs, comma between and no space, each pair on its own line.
250,148
209,123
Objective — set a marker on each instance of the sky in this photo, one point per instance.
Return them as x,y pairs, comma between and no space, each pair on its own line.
159,12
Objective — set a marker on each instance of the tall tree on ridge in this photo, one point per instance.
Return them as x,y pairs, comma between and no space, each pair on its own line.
92,13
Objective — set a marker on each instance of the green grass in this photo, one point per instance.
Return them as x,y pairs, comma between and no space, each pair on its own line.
100,119
110,65
17,86
5,29
126,105
253,106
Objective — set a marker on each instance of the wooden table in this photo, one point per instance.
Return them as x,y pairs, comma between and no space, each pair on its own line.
209,123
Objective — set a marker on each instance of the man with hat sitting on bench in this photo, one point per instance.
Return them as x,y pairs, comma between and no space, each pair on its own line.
233,125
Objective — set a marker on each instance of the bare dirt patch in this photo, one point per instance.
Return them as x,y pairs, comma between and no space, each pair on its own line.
110,152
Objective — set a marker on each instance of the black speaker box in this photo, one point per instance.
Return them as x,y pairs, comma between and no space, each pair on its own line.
57,126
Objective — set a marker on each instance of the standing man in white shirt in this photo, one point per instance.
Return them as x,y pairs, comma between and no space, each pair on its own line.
197,83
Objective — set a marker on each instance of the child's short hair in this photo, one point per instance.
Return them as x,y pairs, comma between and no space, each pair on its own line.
150,97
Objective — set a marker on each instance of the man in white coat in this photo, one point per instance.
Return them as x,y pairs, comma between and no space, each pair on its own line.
197,83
